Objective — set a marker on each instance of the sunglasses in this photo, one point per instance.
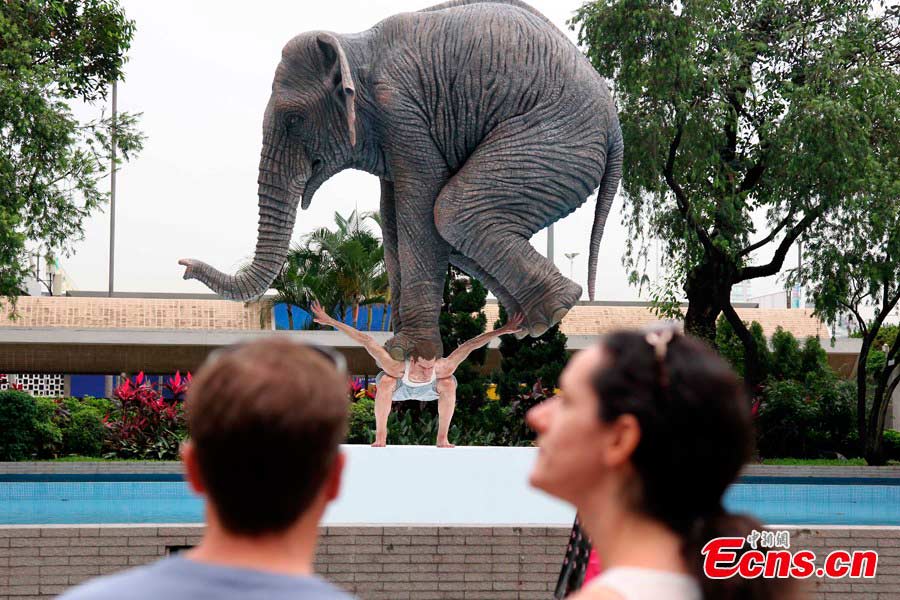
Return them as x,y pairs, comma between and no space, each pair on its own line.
337,360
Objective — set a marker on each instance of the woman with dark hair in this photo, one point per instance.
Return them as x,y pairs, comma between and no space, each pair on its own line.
644,437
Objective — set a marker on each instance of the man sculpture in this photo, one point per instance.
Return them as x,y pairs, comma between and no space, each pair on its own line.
424,378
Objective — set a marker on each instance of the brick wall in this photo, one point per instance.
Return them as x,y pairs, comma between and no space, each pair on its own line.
593,319
181,313
396,563
137,313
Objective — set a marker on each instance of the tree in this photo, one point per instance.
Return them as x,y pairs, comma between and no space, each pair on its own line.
854,265
529,372
51,53
732,110
524,362
462,318
305,276
356,258
732,350
339,268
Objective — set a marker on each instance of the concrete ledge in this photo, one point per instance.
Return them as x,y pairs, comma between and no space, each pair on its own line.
112,351
392,563
46,467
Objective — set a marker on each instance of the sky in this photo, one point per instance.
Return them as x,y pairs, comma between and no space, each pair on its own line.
200,71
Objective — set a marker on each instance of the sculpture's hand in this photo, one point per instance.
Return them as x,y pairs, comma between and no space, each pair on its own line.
319,314
513,325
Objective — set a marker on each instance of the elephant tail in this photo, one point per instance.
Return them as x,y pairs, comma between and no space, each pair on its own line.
608,186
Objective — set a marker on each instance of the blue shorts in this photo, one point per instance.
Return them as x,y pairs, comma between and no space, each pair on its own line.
423,393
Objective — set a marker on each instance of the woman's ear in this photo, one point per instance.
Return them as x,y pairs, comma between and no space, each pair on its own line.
623,439
338,74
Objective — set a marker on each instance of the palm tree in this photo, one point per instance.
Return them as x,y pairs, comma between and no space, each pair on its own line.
356,259
304,277
338,268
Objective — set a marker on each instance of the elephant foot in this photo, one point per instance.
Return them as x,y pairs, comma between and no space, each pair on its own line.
549,310
401,346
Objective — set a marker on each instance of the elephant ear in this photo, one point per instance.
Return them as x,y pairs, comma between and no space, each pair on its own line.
338,75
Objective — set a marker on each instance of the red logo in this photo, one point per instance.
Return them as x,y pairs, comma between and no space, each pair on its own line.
767,554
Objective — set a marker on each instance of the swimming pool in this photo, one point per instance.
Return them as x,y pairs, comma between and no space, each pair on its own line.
165,498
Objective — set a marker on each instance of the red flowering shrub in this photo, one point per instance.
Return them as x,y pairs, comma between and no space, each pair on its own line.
358,390
146,425
178,386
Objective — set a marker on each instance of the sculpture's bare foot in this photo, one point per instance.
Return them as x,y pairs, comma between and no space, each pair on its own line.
445,444
379,444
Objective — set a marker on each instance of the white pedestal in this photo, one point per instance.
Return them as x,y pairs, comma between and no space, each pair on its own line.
424,485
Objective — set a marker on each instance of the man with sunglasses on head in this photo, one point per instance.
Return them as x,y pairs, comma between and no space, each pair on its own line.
266,420
425,377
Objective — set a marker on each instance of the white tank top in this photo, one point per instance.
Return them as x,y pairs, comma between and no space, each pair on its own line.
408,382
634,583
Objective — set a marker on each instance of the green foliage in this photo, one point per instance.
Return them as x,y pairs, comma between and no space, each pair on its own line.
887,335
83,431
892,444
47,428
48,435
462,318
787,362
54,52
853,260
806,420
339,268
524,362
805,409
18,431
784,419
733,109
361,428
415,423
815,462
813,358
414,428
731,348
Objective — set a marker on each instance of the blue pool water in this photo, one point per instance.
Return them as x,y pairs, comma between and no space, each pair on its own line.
47,499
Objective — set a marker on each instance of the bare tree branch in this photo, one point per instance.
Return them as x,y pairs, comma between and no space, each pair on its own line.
774,266
772,235
860,321
680,197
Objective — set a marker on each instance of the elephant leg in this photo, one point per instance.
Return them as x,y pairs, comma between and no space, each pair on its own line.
391,258
423,256
419,173
546,175
470,268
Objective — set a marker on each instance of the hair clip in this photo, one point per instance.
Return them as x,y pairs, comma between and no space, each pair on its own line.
659,340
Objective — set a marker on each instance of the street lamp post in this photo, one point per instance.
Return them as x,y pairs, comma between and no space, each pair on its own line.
112,197
571,256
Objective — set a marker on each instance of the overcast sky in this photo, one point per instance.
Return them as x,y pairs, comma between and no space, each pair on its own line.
200,71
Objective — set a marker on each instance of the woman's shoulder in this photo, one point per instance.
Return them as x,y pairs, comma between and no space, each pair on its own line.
597,592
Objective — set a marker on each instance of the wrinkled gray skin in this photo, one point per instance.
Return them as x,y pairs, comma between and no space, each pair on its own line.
485,125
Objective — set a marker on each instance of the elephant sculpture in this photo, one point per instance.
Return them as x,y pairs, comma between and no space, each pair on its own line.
485,125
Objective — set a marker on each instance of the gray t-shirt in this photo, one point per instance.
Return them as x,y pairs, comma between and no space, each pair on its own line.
178,578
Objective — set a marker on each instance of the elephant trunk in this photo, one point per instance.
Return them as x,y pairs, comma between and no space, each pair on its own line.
277,214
